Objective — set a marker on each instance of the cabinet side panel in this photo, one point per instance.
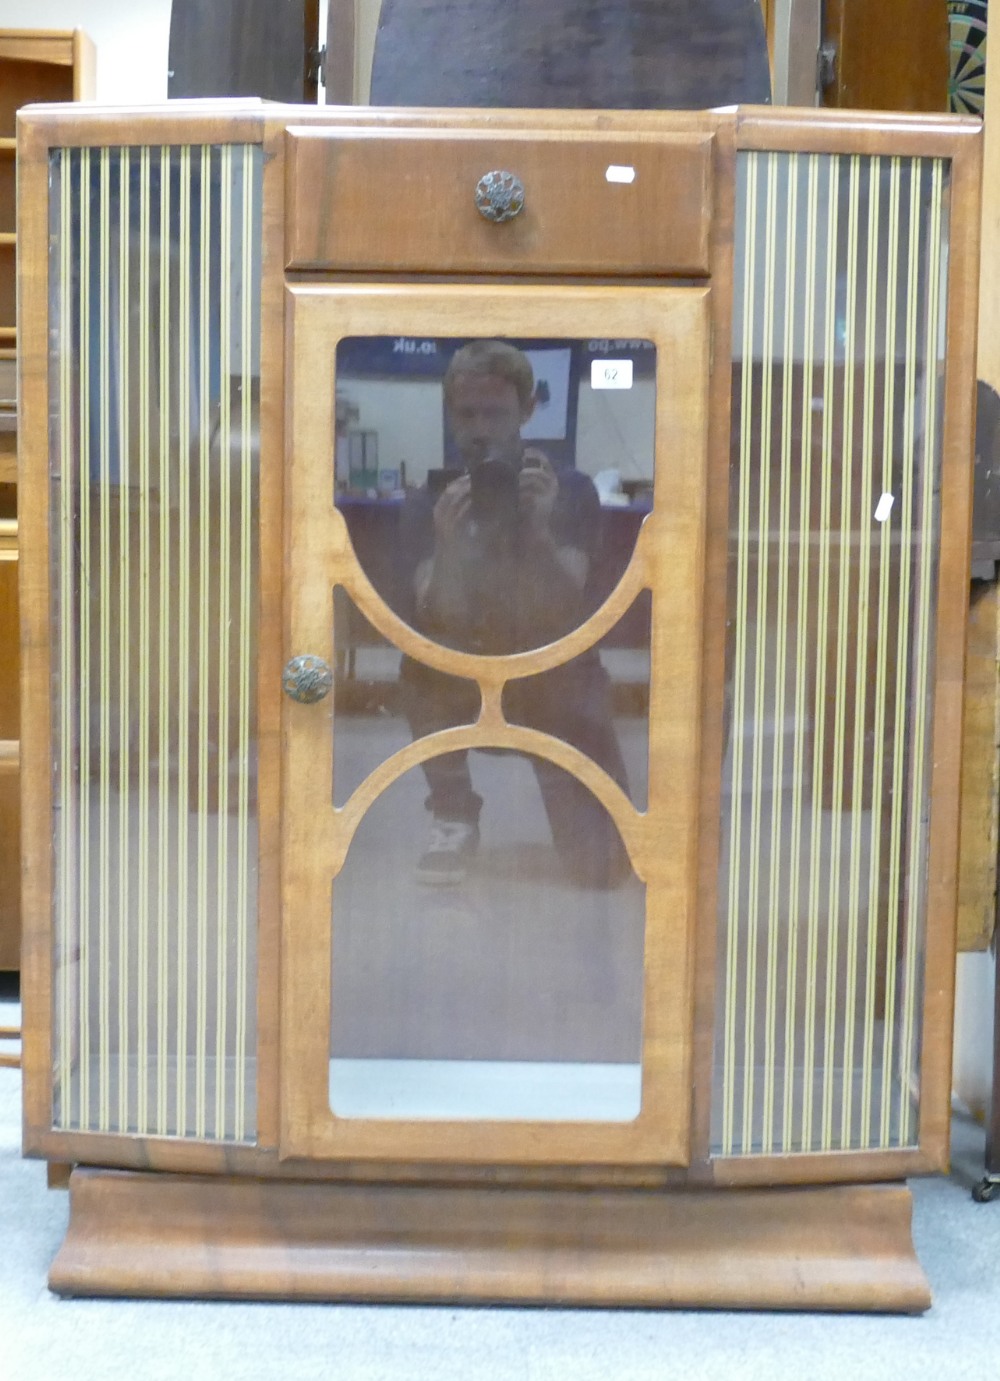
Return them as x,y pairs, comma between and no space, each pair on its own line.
835,534
154,373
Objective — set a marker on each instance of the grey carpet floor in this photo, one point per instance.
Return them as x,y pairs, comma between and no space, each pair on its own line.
46,1339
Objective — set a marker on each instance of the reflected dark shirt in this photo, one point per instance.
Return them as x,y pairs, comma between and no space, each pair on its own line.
575,522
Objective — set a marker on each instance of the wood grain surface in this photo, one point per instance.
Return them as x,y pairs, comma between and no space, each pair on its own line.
574,219
890,56
835,1248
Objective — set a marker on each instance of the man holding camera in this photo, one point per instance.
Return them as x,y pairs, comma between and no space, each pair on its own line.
498,562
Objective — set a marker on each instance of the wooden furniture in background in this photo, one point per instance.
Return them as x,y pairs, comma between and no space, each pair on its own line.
10,1059
983,722
345,58
619,54
267,48
977,904
184,849
35,65
794,33
983,762
889,56
10,834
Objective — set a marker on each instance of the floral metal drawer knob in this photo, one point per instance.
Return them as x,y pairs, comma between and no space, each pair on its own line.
499,196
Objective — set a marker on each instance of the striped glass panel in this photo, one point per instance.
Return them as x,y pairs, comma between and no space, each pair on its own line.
838,367
154,377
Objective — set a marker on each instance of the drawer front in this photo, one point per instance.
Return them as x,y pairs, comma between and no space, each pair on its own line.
405,200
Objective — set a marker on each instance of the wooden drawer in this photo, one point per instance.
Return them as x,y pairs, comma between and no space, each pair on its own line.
398,199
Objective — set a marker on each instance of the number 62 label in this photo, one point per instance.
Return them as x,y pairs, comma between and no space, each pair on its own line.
611,374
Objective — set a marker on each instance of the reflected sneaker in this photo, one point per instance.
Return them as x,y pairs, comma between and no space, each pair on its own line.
446,860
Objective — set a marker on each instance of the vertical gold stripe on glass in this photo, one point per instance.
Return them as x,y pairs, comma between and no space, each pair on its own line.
67,914
104,645
857,694
836,692
754,920
183,638
922,482
798,915
85,691
916,892
739,669
875,1092
814,1033
892,538
753,858
747,171
164,616
243,1054
204,646
224,547
909,479
830,1076
750,459
780,538
123,355
142,650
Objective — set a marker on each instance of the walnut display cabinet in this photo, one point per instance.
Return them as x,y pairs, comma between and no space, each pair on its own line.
679,1029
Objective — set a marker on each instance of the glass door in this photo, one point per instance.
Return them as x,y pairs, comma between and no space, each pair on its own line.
492,679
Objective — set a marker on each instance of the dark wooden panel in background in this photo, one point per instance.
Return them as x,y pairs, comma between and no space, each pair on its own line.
594,54
242,48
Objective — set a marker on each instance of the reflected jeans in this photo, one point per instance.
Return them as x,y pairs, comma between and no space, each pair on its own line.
571,703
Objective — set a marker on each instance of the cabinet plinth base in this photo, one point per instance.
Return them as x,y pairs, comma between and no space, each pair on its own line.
833,1247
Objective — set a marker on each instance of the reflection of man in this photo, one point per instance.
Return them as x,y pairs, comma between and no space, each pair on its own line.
500,562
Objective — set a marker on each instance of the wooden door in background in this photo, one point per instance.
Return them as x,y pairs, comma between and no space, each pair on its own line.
889,56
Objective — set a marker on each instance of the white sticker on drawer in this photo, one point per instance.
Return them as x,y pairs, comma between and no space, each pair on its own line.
620,172
611,374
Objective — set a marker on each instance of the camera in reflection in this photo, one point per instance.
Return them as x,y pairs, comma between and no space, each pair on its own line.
494,492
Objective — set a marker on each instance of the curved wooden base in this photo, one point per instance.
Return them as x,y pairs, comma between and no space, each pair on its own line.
839,1247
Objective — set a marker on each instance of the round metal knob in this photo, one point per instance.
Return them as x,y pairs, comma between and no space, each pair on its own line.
307,679
499,196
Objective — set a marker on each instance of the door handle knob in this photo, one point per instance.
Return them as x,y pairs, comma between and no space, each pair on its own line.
307,679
